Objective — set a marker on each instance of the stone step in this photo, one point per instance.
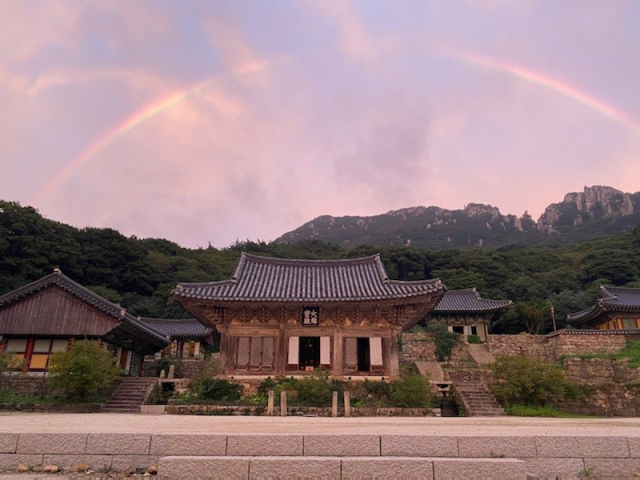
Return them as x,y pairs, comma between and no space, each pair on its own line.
339,467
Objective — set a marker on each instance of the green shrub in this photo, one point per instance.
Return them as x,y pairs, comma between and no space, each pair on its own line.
215,389
83,370
316,389
444,340
474,339
526,381
412,391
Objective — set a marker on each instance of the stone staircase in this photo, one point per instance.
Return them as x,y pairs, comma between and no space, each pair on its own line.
477,399
130,394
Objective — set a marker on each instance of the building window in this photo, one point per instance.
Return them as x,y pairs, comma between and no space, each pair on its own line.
35,352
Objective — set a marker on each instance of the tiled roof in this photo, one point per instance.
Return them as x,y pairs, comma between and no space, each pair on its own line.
181,328
612,299
57,278
259,279
468,300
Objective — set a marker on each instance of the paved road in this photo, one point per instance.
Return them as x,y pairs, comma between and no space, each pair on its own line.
191,424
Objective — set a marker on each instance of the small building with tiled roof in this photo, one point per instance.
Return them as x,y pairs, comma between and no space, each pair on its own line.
466,312
41,318
279,316
187,335
617,308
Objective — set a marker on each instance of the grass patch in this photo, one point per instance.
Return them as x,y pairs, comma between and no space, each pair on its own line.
540,411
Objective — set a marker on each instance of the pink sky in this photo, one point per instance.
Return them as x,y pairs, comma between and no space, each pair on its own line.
211,121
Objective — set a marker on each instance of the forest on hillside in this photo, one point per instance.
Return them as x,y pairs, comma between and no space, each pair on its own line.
139,274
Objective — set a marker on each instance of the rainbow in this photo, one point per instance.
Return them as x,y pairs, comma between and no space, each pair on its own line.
166,102
138,118
551,83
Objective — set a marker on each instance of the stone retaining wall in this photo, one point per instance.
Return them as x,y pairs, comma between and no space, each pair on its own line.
252,456
261,410
564,343
24,384
420,346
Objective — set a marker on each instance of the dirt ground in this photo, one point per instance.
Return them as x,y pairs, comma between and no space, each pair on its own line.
192,424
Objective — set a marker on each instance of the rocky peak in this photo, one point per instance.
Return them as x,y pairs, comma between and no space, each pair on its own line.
593,202
475,209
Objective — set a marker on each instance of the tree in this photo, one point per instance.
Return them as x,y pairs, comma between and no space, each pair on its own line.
83,370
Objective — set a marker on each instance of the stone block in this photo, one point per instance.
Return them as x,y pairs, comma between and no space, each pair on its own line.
573,447
194,445
294,467
8,442
555,467
203,467
118,443
52,443
612,467
479,468
10,461
120,463
418,446
382,468
342,445
264,445
634,447
496,447
95,462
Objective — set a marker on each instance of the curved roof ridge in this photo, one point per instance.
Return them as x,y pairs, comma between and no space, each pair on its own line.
309,261
259,278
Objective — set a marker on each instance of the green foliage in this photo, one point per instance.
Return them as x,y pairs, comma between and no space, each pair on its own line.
474,339
412,391
443,339
5,361
215,389
527,381
140,274
540,411
316,389
83,370
14,398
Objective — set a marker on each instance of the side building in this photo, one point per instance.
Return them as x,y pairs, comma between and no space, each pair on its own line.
284,317
466,312
617,308
188,336
41,318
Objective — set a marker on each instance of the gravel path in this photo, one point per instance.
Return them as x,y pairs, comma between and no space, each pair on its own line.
191,424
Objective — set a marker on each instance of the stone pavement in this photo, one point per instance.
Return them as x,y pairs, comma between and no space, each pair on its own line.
295,447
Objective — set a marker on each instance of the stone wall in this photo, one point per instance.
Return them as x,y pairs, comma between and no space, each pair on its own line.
557,345
295,410
421,347
24,384
598,371
522,344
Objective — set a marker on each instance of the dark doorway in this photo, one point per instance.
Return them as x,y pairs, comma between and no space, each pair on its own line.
309,352
364,356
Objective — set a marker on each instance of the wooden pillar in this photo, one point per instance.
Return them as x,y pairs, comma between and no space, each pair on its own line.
281,351
338,357
392,368
226,353
334,404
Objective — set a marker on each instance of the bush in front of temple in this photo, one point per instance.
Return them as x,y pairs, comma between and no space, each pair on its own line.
412,391
216,389
83,370
527,381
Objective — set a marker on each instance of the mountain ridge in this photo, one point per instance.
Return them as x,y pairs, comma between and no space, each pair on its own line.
597,210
